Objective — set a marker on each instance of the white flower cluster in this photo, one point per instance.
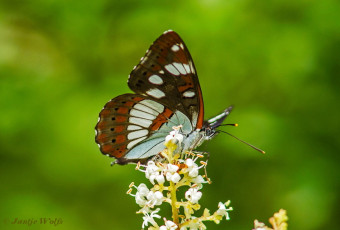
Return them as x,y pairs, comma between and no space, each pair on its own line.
167,177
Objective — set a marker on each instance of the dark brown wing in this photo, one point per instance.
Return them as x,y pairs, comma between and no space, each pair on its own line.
167,75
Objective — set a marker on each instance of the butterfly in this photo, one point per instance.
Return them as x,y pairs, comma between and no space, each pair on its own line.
133,127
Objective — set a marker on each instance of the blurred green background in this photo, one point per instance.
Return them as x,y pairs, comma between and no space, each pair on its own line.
276,61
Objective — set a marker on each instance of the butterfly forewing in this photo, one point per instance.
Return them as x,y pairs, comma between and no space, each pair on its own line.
167,75
127,121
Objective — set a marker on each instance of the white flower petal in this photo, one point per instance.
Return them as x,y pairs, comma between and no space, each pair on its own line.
189,162
172,168
158,195
168,176
140,200
175,178
193,195
160,179
193,172
171,225
142,189
152,179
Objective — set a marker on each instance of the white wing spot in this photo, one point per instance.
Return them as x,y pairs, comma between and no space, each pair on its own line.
194,119
133,127
175,48
180,67
153,105
187,68
134,142
140,121
192,67
161,72
145,109
189,94
143,59
167,31
155,79
137,134
138,113
171,69
155,93
181,45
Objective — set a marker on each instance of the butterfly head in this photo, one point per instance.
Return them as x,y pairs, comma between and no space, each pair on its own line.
210,126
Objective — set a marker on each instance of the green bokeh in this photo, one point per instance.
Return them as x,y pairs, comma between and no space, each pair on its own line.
276,61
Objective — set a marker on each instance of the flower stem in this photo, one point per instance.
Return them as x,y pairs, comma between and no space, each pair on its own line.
175,217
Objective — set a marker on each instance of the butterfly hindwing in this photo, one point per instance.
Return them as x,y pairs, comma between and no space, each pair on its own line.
128,120
167,75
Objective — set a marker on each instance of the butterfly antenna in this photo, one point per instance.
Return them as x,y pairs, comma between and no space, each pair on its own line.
229,125
260,150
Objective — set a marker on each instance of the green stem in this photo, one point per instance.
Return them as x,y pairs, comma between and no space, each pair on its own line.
175,217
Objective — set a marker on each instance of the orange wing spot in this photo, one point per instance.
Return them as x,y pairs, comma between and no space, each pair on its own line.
119,152
188,84
200,118
121,119
156,125
129,103
137,99
102,125
123,110
120,139
114,151
102,137
167,113
105,112
110,104
119,129
107,148
161,119
184,88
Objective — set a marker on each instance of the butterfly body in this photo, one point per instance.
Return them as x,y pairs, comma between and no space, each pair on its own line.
133,127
